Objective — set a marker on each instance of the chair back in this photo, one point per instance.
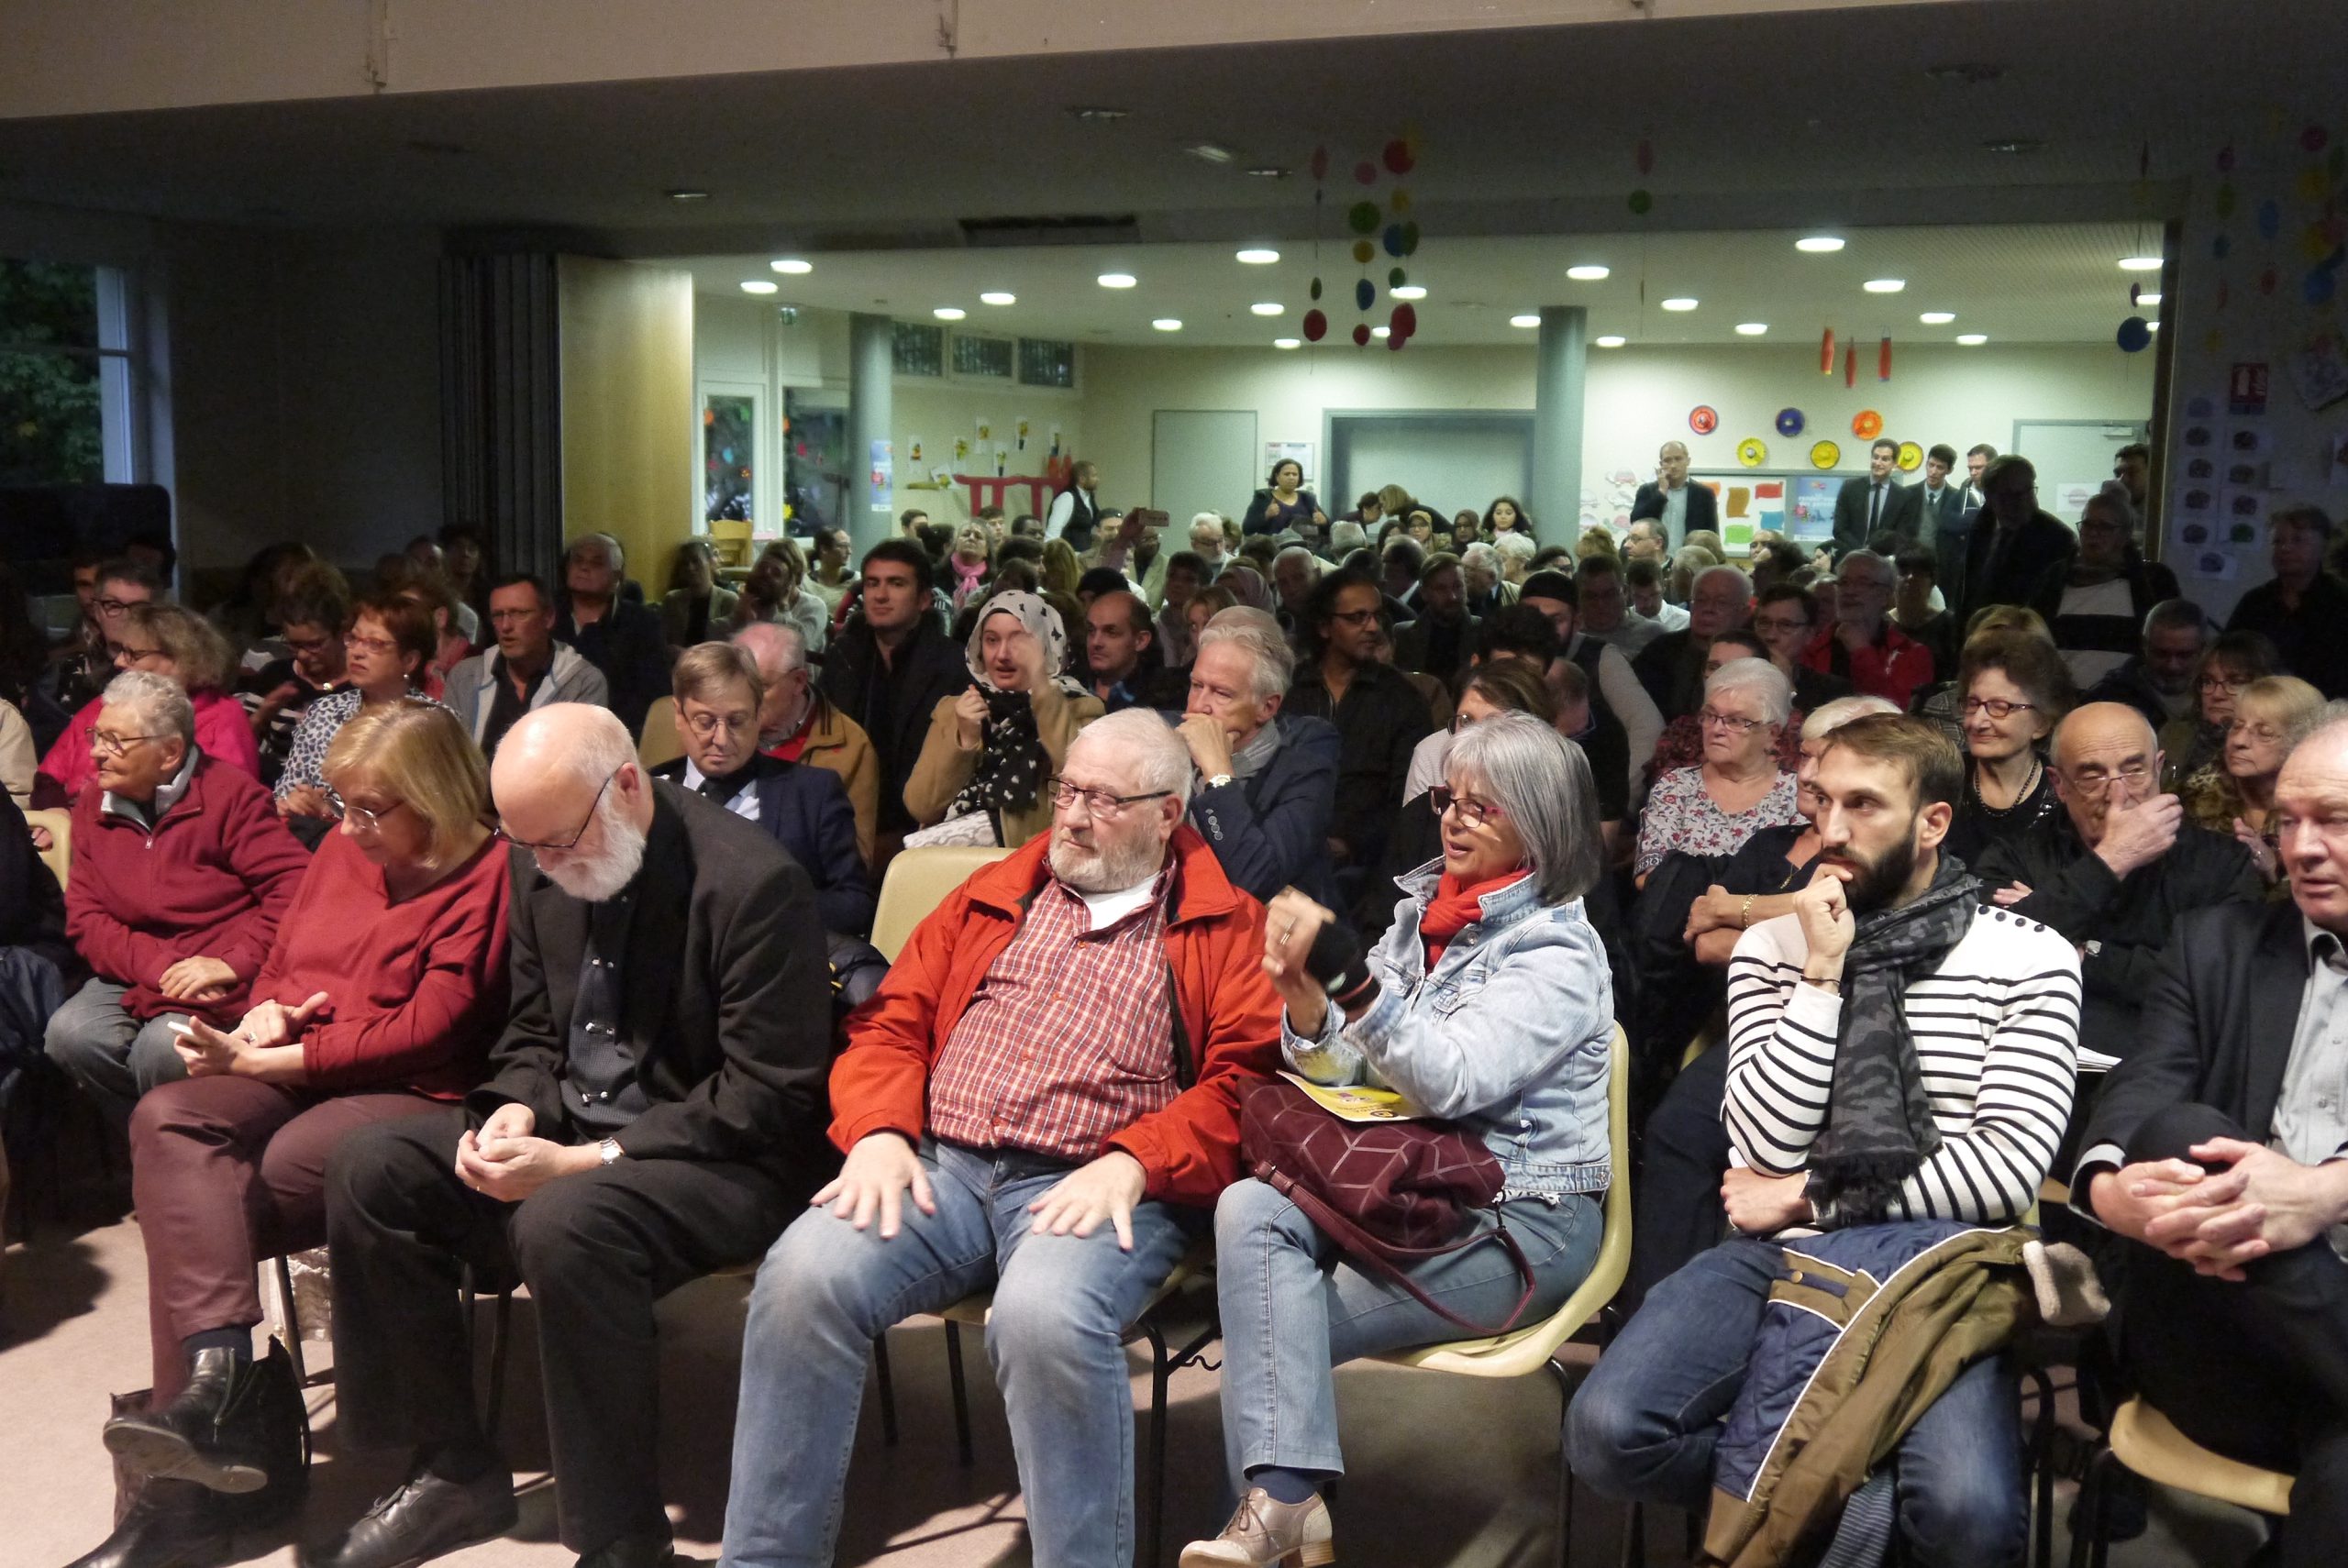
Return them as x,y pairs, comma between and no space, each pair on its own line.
658,743
917,882
2148,1443
59,856
729,541
1525,1350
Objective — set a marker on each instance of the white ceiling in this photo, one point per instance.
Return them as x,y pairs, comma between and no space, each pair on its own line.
2040,283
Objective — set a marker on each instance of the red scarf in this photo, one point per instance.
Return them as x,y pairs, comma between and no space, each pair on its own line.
1454,909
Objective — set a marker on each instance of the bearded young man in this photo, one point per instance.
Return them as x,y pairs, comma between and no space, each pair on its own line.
1900,1054
1042,1100
653,1113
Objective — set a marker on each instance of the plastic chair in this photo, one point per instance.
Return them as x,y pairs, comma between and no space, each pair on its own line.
1534,1348
658,743
59,856
917,882
2146,1442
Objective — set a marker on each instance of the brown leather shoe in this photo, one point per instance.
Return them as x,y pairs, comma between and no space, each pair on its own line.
1263,1533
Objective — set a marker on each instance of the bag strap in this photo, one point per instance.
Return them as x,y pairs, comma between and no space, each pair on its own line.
1359,1245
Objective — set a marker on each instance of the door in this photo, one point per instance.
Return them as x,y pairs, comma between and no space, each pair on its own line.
2073,458
1449,461
1203,460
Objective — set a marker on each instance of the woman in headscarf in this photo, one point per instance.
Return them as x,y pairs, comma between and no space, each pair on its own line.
991,751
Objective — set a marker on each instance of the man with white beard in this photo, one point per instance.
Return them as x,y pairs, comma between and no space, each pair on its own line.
1041,1100
653,1113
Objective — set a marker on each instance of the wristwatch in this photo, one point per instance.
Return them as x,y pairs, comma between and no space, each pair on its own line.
608,1151
1218,781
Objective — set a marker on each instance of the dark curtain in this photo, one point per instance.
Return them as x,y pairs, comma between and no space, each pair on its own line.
500,401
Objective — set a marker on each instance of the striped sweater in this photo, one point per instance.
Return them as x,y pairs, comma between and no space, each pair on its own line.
1996,1028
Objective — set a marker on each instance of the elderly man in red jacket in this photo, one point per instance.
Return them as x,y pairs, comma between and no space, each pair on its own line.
1043,1098
180,870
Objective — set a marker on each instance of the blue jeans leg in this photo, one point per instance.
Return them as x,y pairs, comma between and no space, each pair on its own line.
824,1292
115,1058
1963,1503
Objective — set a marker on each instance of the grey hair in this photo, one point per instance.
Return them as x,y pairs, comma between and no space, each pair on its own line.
2111,494
1161,759
1743,583
785,641
1481,554
1884,572
1762,678
1828,717
1212,519
1515,542
1258,633
615,553
1542,781
159,701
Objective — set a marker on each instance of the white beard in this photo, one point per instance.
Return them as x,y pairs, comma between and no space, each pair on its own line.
1106,870
595,880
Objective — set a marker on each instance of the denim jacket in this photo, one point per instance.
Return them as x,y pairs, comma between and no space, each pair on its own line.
1509,1035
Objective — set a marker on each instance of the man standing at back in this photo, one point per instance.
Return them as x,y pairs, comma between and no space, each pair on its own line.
890,667
1939,504
1678,507
1672,665
2013,543
2303,610
1866,509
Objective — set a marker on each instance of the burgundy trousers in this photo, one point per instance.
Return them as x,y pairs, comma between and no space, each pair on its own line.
226,1171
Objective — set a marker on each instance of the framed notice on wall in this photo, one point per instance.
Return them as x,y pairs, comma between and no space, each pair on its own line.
1301,453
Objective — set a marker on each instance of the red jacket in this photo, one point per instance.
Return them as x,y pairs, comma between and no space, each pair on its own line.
1895,666
222,731
1224,1006
212,881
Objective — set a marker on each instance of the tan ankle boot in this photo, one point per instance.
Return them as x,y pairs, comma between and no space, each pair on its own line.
1264,1533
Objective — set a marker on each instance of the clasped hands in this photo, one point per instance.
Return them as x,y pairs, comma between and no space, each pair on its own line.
882,1168
504,1161
2219,1221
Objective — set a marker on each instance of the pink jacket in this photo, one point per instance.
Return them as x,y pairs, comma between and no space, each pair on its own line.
222,732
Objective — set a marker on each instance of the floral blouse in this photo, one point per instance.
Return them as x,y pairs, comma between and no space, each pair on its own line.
1681,819
305,756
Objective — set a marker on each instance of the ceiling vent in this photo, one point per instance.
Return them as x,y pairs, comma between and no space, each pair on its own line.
1075,229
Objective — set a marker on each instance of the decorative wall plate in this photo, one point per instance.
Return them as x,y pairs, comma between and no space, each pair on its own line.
1703,419
1789,422
1867,424
1825,455
1912,457
1751,452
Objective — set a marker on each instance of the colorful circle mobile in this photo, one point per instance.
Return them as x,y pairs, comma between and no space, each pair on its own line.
1825,455
1867,424
1789,422
1912,457
1751,452
1703,419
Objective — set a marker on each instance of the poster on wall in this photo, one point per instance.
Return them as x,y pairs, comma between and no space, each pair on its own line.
1749,503
1298,452
884,476
1811,509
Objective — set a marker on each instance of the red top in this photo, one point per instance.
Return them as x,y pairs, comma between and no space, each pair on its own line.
1895,666
416,989
222,731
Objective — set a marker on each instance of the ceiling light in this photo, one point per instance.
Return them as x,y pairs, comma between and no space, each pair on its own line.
1167,324
2152,326
1973,339
2139,263
1410,291
1751,328
2014,146
686,195
1681,302
1288,343
1116,279
1267,308
1937,318
1094,114
1267,171
1382,332
1819,244
2152,298
1969,73
1524,321
759,286
998,296
1259,256
949,313
1209,152
1611,340
1588,272
793,266
1884,285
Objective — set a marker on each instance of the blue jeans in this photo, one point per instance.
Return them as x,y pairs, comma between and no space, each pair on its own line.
827,1290
1293,1310
1643,1424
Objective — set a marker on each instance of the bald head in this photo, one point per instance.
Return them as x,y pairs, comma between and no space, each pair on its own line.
2094,727
560,774
2105,756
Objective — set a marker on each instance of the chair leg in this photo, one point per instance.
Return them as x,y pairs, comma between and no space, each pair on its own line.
501,1344
1634,1537
2087,1545
293,1323
1563,1556
887,1389
961,1394
1160,1373
2040,1473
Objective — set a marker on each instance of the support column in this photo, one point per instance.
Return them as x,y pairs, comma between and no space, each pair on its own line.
1558,374
871,355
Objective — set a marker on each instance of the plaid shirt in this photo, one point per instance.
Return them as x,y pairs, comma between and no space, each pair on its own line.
1068,1039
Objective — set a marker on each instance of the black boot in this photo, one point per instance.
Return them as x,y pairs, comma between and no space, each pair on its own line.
170,1524
224,1427
632,1552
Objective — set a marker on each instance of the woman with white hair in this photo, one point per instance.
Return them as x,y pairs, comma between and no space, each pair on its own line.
1488,1004
1739,788
1267,780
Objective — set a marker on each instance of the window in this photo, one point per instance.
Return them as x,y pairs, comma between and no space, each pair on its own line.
65,375
729,425
986,358
1046,364
919,350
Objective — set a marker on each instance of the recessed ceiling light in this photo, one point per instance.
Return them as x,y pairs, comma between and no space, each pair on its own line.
1937,318
1969,73
949,313
793,266
1819,244
1167,324
2152,326
1411,292
1680,302
1884,285
759,286
1094,114
1211,152
686,195
2014,146
1258,255
1612,340
998,296
1267,308
1267,171
1288,343
1382,332
1116,279
1751,328
2154,297
2139,263
1973,339
1588,272
1524,321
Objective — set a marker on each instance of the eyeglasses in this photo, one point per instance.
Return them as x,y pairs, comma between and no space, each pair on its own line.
368,644
1472,811
359,816
572,842
309,645
1097,802
107,743
124,653
2223,682
1770,625
704,725
1354,617
1713,719
106,604
2096,785
1996,707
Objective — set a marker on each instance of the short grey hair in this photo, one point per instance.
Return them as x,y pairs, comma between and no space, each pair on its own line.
785,642
1542,781
615,553
160,703
1161,759
1828,717
1515,542
1736,574
1258,633
1482,555
1762,678
1882,570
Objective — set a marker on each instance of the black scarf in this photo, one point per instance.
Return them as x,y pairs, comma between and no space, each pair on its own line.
1878,1118
1011,760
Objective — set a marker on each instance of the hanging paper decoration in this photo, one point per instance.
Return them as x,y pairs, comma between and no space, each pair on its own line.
1362,217
1883,360
1396,277
1642,202
1366,173
1644,157
1364,250
2134,335
1850,367
1364,294
1826,354
1399,202
1397,157
2225,160
1316,288
1867,424
1370,228
2314,138
1393,239
1316,326
1361,335
2270,218
1404,322
1319,163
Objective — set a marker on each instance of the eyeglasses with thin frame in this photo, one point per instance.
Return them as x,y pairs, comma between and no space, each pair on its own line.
1768,625
1097,802
120,652
361,816
107,743
1713,719
2097,784
2254,729
377,646
572,842
1471,811
1996,707
1354,617
107,605
705,724
2223,682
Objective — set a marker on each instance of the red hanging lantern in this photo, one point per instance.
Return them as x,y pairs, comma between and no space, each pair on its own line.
1850,367
1883,361
1826,354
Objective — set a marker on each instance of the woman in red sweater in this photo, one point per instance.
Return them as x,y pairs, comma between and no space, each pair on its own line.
173,641
380,999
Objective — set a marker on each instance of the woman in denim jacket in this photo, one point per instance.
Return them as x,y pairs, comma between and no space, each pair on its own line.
1489,1005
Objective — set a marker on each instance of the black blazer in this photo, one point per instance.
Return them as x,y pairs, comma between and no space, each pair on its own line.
930,669
1902,511
2042,543
631,649
805,810
727,1003
1703,507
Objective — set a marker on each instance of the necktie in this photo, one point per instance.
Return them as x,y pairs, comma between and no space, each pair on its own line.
1875,510
723,790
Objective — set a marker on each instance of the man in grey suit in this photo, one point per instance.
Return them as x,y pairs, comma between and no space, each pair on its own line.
1940,504
1865,509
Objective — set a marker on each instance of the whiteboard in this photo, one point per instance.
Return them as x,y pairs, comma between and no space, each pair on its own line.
1203,460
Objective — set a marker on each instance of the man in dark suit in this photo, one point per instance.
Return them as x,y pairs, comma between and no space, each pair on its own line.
655,1112
1442,639
1681,508
2303,610
801,807
2012,544
1866,509
621,639
1939,504
891,666
2215,1152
